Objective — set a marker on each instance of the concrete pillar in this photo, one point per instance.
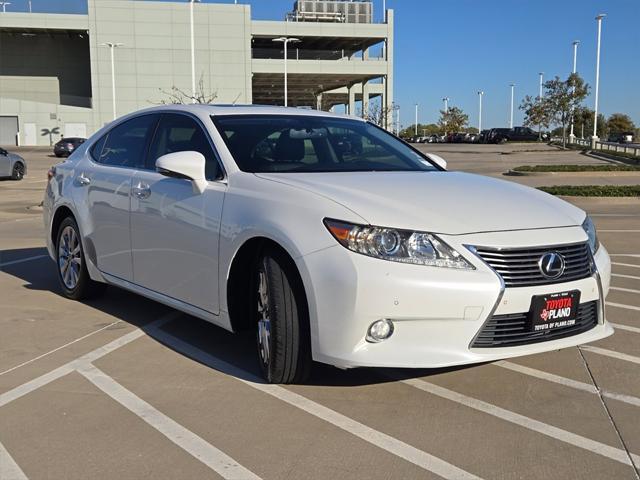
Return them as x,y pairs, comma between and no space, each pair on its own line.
365,99
352,99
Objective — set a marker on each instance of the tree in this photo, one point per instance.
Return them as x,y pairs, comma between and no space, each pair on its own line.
378,115
177,96
536,113
620,123
561,99
423,130
453,120
583,123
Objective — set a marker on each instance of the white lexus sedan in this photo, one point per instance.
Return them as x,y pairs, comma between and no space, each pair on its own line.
328,237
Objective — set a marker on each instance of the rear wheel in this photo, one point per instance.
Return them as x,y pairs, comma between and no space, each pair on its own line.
18,171
282,330
72,268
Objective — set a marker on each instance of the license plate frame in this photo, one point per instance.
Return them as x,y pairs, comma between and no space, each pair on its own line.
554,311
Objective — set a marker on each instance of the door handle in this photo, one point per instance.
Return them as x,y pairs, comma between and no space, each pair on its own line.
83,180
141,191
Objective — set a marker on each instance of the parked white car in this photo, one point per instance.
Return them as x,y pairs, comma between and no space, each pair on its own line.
330,238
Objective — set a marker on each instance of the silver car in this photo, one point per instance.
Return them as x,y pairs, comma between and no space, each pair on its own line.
12,165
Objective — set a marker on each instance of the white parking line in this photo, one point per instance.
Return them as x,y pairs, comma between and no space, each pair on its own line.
625,264
60,347
215,459
567,382
565,436
618,231
69,367
22,260
385,442
628,290
622,305
9,469
620,326
634,255
619,275
610,353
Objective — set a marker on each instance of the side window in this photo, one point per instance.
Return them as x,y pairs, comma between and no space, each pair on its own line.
180,133
124,145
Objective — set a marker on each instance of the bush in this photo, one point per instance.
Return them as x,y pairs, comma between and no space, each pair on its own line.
577,168
594,190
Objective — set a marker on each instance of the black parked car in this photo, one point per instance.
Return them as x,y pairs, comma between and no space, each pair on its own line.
66,146
516,134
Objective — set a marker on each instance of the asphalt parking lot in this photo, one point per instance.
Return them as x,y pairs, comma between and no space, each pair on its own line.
122,387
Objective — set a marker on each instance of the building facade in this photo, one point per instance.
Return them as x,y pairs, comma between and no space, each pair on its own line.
56,71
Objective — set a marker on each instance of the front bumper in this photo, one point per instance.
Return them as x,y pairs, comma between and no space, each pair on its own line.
437,312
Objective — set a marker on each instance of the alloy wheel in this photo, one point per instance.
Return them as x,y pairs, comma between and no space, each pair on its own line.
264,316
69,257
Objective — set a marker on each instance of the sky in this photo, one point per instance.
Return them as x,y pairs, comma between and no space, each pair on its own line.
453,49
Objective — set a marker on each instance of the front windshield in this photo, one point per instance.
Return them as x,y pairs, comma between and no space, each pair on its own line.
299,143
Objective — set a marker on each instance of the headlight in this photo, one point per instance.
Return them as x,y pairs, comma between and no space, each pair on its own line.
590,230
402,246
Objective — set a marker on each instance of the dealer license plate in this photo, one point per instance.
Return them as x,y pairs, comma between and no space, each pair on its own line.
554,310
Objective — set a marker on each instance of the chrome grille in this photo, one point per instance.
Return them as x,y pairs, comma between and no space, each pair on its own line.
515,329
518,267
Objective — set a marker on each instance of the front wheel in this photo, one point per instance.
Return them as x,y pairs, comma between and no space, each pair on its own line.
72,267
284,350
18,172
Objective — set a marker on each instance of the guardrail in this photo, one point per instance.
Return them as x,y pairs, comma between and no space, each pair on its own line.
633,149
618,147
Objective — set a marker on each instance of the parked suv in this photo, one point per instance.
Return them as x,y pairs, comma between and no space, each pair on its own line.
66,146
516,134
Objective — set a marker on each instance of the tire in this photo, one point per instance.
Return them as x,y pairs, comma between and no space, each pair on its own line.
503,140
18,171
71,264
282,319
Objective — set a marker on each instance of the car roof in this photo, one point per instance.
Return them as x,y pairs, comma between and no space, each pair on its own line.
223,109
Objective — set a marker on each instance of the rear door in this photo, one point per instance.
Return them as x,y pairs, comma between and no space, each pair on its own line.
174,229
106,187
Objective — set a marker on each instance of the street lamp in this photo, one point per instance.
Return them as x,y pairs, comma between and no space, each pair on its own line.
572,137
285,41
511,117
541,74
112,46
4,6
594,139
416,129
446,104
480,94
193,52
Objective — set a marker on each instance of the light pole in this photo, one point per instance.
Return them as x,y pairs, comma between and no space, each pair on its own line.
511,117
384,11
112,46
446,104
541,74
480,94
193,52
4,6
398,121
416,129
572,137
595,138
285,41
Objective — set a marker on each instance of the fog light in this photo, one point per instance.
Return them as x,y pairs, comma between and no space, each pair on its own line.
380,330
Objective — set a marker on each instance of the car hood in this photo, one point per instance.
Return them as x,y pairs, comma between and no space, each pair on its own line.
441,202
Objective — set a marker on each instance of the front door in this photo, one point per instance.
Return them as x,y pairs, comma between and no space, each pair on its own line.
30,134
174,229
105,184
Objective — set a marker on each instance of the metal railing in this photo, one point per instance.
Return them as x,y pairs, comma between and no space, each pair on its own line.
308,54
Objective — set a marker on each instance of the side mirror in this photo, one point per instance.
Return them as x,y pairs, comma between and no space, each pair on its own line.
3,152
437,159
188,165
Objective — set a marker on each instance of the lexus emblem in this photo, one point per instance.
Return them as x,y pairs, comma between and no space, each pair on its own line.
551,265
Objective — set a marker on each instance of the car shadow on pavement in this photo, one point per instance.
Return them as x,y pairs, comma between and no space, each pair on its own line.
231,354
